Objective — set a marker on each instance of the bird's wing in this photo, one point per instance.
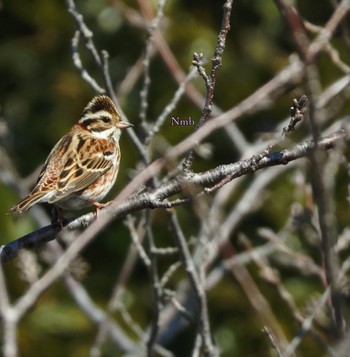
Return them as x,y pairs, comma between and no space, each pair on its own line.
74,163
84,164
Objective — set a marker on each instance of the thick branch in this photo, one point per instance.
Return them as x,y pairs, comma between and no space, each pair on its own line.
156,198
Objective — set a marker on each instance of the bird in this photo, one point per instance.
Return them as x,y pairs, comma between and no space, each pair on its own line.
83,166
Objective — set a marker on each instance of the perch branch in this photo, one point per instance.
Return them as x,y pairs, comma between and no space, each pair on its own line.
155,197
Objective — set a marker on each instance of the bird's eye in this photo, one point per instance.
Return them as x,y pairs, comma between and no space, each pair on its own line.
106,119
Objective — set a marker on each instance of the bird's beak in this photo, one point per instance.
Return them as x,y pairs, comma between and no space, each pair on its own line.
124,124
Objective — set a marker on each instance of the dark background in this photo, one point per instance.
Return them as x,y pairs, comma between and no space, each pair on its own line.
42,95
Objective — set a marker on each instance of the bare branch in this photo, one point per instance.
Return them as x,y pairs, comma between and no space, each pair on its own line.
313,88
297,112
210,80
207,347
146,62
78,63
175,186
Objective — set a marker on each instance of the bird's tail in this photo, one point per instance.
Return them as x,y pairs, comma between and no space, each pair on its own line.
27,202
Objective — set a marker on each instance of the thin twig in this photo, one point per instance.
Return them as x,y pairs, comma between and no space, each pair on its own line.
79,65
170,107
208,348
101,61
326,216
9,320
146,62
210,80
156,288
297,112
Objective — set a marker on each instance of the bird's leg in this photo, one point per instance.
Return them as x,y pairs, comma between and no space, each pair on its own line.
99,206
57,216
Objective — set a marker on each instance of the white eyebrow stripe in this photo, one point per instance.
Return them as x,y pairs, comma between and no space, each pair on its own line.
97,115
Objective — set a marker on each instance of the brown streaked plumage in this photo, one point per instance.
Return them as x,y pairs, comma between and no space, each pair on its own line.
83,166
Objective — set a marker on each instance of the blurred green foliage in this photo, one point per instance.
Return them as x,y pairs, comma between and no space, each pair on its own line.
42,95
